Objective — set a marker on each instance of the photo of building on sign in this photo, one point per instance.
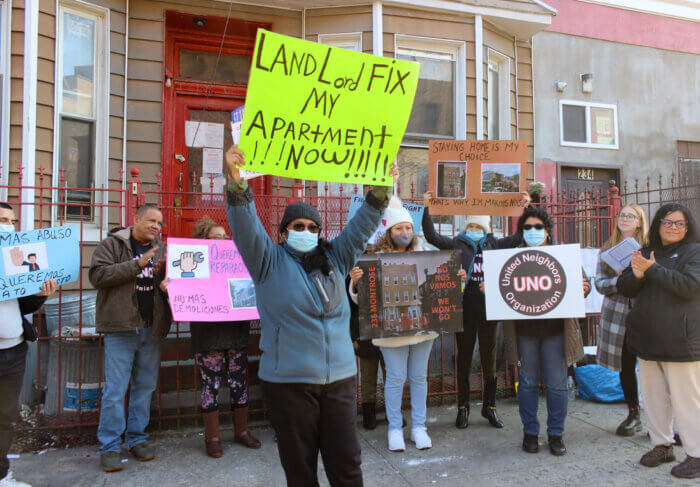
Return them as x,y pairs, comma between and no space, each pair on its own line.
242,292
452,179
500,178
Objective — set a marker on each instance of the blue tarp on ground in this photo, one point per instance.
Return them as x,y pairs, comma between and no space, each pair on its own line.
596,383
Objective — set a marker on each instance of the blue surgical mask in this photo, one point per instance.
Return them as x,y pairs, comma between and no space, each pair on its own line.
302,241
402,240
534,237
7,228
474,236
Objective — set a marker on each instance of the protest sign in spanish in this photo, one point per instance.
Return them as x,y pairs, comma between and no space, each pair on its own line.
477,177
323,113
409,293
534,282
208,281
30,258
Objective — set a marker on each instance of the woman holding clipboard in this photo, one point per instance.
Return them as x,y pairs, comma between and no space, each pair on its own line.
613,352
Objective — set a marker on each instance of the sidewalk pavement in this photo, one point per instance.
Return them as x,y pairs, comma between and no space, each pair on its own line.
479,455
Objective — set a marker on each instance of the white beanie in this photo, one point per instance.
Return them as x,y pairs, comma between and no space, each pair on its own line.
484,221
395,213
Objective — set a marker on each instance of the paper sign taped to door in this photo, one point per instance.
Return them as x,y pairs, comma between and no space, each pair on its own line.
323,113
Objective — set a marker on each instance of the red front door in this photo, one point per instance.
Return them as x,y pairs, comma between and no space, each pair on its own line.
205,80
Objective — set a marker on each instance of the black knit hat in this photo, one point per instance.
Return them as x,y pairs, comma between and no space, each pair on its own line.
299,210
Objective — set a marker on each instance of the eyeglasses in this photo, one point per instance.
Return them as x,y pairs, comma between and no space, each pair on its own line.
627,216
536,226
674,224
300,227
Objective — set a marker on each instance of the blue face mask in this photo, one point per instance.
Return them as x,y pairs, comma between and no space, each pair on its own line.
474,236
7,228
302,241
534,237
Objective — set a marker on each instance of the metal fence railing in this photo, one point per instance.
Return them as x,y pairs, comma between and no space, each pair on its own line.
64,375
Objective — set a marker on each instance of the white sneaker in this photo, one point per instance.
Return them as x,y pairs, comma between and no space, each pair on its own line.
420,437
396,442
9,481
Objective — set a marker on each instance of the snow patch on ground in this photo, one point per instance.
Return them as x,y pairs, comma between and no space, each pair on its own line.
422,461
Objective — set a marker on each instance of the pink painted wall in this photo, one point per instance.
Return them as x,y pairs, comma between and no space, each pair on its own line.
625,26
546,172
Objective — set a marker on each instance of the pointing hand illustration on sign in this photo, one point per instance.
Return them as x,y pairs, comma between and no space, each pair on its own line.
188,263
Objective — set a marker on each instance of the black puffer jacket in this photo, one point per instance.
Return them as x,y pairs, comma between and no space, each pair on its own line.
664,323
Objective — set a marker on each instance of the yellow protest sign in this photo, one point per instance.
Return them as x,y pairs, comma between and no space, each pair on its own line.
324,113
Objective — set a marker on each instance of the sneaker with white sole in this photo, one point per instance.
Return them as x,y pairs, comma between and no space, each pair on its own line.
420,437
9,481
396,442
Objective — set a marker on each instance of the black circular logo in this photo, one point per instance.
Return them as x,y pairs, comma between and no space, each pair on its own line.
532,282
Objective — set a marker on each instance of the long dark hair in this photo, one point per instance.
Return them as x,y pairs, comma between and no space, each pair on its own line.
691,234
539,213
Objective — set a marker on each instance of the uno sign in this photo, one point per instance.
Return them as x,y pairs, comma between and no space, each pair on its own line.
533,282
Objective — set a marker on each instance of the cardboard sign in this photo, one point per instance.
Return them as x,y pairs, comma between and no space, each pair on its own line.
477,177
534,282
30,258
208,281
409,293
416,212
323,113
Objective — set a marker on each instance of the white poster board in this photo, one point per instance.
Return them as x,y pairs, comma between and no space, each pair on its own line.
534,282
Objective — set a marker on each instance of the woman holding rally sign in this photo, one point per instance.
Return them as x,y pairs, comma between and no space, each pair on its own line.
663,330
405,356
222,349
472,241
308,366
546,345
613,352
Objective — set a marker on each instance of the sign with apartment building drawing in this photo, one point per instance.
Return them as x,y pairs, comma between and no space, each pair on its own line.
409,293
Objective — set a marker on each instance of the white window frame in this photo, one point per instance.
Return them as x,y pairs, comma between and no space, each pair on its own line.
406,44
587,106
351,41
503,62
101,92
5,57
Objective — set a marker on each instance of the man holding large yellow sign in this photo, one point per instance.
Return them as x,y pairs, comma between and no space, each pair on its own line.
324,113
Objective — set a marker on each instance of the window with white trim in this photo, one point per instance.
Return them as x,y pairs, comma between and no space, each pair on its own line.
498,98
352,42
586,124
82,107
439,108
5,19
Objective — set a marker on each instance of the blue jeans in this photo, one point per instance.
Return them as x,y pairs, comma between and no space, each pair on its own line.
545,354
411,361
135,356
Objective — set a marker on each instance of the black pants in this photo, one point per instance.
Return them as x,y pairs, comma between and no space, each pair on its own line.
309,418
487,332
11,375
628,377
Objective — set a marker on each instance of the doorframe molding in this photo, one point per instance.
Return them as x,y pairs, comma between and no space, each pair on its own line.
592,165
178,34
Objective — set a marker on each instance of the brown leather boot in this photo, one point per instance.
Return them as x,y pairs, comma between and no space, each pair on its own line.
240,428
212,437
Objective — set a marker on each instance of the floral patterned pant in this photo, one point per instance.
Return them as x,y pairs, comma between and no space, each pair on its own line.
213,365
